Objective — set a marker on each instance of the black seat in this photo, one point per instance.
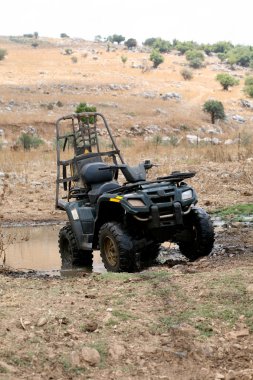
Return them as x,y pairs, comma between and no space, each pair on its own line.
99,181
134,173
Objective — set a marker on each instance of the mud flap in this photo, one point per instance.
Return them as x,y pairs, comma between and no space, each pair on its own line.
178,213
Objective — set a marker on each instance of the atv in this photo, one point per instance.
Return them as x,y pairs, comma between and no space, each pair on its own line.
111,206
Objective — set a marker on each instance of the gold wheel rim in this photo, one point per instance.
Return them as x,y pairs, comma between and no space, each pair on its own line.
111,251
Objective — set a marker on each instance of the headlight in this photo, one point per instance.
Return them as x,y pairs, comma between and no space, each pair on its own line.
187,195
136,202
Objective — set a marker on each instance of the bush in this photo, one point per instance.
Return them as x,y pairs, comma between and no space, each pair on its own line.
84,107
186,74
227,80
68,51
195,58
248,90
64,35
3,53
248,80
74,59
35,44
156,58
28,141
216,110
131,43
123,59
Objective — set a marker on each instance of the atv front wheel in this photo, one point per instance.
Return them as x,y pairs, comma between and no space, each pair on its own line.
116,248
151,252
201,235
71,256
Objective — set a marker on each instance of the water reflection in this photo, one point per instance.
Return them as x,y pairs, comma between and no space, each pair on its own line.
36,248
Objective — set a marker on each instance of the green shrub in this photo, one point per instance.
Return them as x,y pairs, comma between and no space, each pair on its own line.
84,107
74,59
3,53
195,58
156,58
123,59
131,43
28,141
216,110
248,80
68,51
227,80
248,90
186,74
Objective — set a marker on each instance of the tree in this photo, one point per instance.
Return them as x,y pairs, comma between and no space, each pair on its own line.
156,58
3,53
131,43
162,46
64,35
36,35
222,47
216,110
149,41
227,80
98,38
116,38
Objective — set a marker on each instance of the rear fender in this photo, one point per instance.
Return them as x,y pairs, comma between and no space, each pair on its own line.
82,222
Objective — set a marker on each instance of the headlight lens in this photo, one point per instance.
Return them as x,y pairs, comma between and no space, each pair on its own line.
136,202
187,195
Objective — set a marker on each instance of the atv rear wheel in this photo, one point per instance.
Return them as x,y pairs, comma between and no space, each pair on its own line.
201,235
71,256
116,248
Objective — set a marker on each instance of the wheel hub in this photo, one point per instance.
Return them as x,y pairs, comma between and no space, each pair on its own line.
111,251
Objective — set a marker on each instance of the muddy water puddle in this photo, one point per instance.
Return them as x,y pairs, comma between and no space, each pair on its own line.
36,248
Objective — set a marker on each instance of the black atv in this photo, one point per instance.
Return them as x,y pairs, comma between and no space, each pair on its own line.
127,219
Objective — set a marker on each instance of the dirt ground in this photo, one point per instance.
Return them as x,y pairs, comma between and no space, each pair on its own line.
185,321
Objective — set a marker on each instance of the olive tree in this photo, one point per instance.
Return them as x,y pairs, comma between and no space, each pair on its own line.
226,80
156,58
215,108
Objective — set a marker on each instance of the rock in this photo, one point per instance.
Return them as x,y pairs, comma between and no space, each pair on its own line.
171,95
239,119
91,356
7,367
229,142
148,95
219,376
75,359
239,334
193,139
245,103
116,351
41,322
91,326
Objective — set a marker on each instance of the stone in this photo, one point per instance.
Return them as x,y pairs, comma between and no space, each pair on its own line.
91,356
116,351
171,95
91,326
42,321
239,119
75,359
